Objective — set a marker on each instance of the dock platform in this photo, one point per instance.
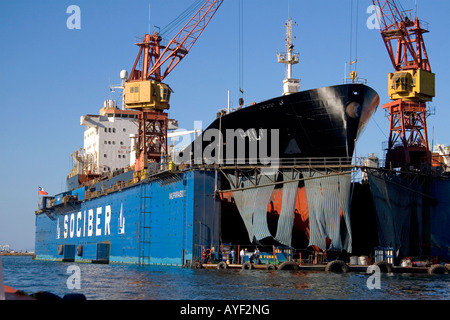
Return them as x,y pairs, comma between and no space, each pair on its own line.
434,269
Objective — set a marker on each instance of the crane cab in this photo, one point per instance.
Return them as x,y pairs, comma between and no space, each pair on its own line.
412,85
147,95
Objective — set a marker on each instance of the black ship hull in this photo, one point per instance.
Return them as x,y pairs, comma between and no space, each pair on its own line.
323,122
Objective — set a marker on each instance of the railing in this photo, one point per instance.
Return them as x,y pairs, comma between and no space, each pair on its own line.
278,162
158,170
355,80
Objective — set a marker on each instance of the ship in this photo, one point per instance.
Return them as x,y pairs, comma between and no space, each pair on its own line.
316,131
275,173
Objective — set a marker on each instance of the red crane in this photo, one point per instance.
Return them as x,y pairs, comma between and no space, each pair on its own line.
410,86
154,55
145,91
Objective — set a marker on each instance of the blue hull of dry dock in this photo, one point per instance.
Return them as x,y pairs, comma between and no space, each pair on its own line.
413,213
164,221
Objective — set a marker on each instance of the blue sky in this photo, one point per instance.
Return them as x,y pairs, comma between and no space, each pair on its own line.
51,75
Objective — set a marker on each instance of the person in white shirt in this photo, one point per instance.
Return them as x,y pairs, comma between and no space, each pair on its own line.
242,254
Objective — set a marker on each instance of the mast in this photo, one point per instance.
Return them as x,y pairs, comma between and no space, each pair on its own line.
289,58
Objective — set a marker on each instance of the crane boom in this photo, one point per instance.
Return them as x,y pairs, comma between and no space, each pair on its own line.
180,45
155,55
400,29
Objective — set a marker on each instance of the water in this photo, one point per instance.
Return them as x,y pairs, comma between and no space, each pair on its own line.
123,282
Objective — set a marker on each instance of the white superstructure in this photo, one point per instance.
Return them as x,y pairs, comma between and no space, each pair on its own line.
108,139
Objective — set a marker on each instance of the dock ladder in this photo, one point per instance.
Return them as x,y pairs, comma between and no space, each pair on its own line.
145,224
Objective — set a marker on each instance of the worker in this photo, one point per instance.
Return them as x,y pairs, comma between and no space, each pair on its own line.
206,254
232,256
256,255
242,254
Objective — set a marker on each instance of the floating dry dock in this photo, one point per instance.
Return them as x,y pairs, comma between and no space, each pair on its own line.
168,218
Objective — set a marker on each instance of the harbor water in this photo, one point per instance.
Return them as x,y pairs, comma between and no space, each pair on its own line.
127,282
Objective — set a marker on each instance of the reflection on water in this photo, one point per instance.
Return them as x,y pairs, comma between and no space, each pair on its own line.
105,282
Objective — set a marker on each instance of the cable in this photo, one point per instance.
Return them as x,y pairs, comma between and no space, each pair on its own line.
241,47
182,17
356,36
398,4
382,131
351,32
401,10
174,24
